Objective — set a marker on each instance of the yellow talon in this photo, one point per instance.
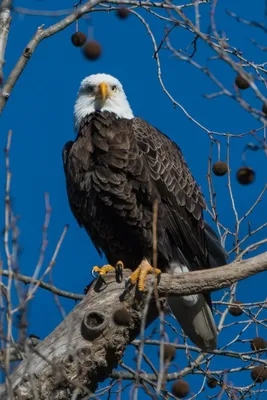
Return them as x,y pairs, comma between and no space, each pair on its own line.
140,274
103,270
107,268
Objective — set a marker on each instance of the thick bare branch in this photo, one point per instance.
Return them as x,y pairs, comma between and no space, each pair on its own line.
83,349
212,279
88,344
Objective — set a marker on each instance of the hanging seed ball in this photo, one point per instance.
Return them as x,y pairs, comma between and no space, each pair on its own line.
258,343
241,83
122,13
92,50
235,310
259,374
245,175
219,168
169,352
264,108
122,316
78,39
212,383
180,389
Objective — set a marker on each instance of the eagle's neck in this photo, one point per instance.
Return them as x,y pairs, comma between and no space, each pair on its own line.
85,106
103,140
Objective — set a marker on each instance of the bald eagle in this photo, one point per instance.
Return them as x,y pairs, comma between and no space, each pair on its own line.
117,167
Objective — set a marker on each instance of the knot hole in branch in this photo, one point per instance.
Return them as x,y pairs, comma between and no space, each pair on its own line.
93,324
27,52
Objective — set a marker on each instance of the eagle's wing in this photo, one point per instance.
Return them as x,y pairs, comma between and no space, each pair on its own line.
78,183
181,198
194,243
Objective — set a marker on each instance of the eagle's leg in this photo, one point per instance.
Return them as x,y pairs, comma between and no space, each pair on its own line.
118,268
140,274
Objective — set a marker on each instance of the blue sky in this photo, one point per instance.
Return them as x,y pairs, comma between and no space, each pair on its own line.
40,114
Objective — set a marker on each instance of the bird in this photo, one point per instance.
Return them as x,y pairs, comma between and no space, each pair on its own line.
117,168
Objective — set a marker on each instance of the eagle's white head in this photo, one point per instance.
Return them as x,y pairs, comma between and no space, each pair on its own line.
101,92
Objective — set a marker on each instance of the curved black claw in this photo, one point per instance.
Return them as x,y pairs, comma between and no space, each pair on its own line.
119,271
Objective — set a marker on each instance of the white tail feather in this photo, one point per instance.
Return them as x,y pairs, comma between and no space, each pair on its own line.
194,315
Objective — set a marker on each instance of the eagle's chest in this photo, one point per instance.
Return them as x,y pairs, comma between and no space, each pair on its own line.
111,187
101,163
113,215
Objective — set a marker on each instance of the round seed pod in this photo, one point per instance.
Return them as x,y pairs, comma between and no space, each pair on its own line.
169,352
264,108
180,389
241,83
259,374
92,50
235,310
122,316
219,168
258,343
212,383
122,13
245,175
78,39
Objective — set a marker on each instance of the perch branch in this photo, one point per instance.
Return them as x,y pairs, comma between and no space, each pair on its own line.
211,279
83,349
196,282
77,357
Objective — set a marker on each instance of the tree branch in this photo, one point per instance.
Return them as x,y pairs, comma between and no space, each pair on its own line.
83,349
211,279
47,286
144,4
5,20
79,355
37,38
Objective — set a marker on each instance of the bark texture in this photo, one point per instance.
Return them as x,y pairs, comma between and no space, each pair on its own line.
212,279
83,349
88,344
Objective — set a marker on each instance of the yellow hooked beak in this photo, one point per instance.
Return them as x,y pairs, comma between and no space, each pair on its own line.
102,92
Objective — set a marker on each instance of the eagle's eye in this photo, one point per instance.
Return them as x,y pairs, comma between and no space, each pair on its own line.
90,89
114,88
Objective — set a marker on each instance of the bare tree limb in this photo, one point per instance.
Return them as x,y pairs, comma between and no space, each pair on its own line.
5,20
88,344
224,278
56,13
47,286
37,38
211,279
83,349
